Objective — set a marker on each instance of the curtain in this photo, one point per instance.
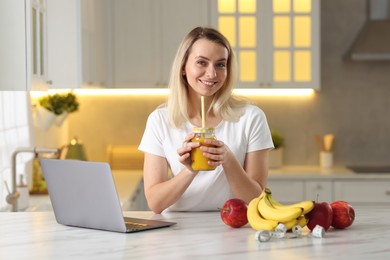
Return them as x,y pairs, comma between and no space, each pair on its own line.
15,131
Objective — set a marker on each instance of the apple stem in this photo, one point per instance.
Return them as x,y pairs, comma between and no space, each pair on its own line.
317,197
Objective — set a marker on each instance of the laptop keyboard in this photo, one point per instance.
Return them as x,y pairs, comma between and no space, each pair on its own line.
134,226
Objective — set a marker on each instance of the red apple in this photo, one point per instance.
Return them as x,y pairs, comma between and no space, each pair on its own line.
343,214
321,214
233,213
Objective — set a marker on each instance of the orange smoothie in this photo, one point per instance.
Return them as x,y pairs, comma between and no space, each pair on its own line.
199,162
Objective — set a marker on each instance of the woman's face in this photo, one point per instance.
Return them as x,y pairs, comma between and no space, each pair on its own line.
205,68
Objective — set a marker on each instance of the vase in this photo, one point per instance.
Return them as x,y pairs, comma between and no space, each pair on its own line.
61,118
275,159
43,118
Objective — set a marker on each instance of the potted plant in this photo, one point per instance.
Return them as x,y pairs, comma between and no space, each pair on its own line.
56,108
276,155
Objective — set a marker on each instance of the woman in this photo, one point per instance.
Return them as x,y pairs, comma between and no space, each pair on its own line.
204,66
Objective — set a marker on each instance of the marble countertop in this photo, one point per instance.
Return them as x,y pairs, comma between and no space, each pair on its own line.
200,235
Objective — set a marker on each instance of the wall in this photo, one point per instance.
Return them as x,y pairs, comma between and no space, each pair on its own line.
352,104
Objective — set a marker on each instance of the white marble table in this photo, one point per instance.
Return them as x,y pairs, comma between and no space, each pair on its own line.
36,235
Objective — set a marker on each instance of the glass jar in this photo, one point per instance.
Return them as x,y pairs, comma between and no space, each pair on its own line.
199,162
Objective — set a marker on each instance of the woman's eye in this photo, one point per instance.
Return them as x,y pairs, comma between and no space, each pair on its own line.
201,62
221,65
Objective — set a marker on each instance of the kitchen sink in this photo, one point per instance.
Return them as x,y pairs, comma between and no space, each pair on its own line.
370,169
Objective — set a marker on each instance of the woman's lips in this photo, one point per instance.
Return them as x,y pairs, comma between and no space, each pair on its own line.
208,83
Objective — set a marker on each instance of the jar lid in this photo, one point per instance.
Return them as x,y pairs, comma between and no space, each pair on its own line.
203,130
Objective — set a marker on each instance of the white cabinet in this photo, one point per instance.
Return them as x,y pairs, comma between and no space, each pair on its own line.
287,191
355,190
96,43
323,189
292,191
276,42
144,49
63,44
13,62
362,191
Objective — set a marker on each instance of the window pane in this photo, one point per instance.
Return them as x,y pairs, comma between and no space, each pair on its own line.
248,66
247,6
41,45
302,66
227,26
34,41
226,6
302,31
247,31
281,6
282,31
302,6
282,70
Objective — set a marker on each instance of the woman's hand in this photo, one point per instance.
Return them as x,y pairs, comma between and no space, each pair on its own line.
185,151
216,152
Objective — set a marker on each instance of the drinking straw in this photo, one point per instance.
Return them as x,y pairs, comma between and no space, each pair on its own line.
202,107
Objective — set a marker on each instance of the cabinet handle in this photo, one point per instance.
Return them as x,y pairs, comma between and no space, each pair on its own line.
49,82
319,187
387,192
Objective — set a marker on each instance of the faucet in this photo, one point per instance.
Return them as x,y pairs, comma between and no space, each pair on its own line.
12,197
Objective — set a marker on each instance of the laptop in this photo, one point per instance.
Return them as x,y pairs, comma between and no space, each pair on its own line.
83,194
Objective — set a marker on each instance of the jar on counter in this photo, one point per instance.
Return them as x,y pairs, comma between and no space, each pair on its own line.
199,162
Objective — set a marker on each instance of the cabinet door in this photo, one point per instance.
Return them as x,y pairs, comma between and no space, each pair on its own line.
287,191
178,17
363,192
134,43
13,61
276,42
96,42
322,189
63,43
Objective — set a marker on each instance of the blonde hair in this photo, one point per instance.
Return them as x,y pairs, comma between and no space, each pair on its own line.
224,104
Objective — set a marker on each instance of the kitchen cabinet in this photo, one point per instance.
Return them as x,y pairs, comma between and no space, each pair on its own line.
63,44
14,68
287,191
276,42
96,42
322,189
363,191
292,191
290,185
143,57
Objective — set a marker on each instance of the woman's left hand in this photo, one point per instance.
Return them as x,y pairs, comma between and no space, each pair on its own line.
216,152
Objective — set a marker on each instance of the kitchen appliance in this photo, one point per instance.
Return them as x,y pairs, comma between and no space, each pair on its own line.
74,150
373,41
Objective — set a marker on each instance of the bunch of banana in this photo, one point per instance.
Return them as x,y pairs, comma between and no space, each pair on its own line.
265,213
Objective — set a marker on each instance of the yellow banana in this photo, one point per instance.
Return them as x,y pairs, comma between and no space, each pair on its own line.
302,221
289,224
307,205
278,214
255,220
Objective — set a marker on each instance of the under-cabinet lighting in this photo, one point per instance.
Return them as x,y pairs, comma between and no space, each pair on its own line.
165,91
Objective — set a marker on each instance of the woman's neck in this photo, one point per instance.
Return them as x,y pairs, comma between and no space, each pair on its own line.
195,112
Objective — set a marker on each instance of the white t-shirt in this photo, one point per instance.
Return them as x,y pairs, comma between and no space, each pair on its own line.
209,189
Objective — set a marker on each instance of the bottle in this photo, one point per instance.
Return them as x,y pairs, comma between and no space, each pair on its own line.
199,162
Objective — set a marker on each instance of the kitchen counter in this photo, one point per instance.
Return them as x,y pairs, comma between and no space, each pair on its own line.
316,172
36,235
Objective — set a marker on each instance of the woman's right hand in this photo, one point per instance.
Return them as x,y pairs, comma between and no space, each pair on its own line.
185,151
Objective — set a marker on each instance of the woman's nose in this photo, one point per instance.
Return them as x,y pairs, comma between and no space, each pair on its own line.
211,72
